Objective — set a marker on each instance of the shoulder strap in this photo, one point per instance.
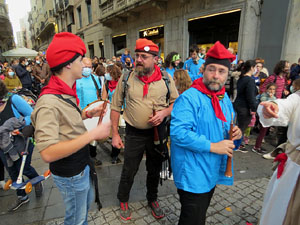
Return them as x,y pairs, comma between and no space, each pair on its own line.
166,78
96,86
69,102
125,84
106,86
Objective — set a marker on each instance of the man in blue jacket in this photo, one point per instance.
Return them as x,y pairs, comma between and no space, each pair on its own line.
24,74
193,64
200,125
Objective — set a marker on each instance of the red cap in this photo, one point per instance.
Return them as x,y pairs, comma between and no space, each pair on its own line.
145,45
218,51
63,49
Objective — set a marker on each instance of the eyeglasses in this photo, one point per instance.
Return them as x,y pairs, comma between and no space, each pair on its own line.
212,69
143,56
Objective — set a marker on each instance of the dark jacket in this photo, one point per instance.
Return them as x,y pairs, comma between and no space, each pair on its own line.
246,94
23,75
295,73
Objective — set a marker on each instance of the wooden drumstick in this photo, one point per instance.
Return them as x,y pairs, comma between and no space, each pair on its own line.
102,111
228,172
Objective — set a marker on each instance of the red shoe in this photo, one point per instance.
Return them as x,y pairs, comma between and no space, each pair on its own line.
125,212
157,212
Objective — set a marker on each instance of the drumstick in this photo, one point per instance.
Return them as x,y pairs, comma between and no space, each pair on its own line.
228,172
102,111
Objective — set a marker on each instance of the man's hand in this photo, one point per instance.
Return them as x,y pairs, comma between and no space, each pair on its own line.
101,131
236,133
224,147
117,141
270,110
157,119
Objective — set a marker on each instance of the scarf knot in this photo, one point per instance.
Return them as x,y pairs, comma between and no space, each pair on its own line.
58,86
156,76
214,96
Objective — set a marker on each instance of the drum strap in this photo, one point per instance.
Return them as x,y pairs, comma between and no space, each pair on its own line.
69,102
97,87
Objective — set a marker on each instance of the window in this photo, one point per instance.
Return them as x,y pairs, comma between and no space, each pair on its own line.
89,11
91,50
79,16
101,47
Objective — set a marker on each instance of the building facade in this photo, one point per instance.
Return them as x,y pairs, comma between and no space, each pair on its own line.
109,26
6,32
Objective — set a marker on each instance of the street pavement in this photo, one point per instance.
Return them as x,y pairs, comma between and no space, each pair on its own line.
235,204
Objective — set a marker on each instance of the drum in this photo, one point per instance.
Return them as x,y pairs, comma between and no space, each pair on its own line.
93,122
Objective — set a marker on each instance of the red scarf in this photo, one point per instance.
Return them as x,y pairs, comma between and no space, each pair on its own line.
57,86
112,84
199,85
156,76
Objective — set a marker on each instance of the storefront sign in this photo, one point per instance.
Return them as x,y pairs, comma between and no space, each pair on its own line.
151,32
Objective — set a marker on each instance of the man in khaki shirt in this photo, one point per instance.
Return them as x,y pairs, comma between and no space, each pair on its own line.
145,91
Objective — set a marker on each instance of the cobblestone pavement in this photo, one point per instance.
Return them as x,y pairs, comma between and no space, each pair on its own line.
230,205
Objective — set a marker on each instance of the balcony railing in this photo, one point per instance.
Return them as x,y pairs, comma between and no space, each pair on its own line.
111,7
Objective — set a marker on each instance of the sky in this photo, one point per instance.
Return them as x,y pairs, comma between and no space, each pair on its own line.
17,9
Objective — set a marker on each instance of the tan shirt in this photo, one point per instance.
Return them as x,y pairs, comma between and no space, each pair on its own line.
138,109
55,120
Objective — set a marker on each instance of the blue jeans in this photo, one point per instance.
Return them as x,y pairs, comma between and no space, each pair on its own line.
78,194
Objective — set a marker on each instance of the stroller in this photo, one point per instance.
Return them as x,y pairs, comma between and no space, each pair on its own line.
28,96
27,132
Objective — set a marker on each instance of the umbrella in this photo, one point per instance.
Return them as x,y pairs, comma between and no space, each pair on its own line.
19,52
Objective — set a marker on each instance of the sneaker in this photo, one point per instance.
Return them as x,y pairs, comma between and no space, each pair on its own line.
268,156
125,212
38,189
242,149
115,160
157,212
257,151
18,203
2,183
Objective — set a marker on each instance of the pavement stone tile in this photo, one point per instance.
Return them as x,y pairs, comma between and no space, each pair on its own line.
143,212
136,205
140,222
149,219
110,216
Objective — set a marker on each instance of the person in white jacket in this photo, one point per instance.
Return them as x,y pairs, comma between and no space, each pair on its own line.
282,198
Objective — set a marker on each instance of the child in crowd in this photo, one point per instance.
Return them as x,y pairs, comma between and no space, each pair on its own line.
269,95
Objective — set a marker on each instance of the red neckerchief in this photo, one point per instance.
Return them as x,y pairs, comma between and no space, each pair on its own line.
57,86
281,158
112,84
156,76
199,85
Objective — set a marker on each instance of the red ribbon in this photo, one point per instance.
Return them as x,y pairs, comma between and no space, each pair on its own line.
281,158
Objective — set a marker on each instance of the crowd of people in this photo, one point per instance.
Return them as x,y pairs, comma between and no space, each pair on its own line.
150,94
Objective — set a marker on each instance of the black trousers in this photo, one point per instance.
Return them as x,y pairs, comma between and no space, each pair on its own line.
243,118
136,143
194,207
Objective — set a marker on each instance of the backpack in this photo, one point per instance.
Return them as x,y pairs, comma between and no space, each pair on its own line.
165,77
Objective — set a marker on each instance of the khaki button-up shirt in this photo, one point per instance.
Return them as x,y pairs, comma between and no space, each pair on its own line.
139,108
55,120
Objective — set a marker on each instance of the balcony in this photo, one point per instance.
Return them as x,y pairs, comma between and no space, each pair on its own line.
69,4
71,28
112,9
46,28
